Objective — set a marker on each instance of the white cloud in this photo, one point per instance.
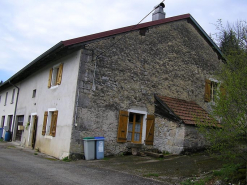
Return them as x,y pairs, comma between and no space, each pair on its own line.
30,27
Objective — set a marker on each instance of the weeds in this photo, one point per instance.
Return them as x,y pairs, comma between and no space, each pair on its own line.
229,173
66,159
166,153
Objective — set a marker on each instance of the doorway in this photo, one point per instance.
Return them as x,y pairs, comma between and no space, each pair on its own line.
34,131
19,131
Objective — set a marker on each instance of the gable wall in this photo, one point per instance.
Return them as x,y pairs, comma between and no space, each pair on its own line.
172,60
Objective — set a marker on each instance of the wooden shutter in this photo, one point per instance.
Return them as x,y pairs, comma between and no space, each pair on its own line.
34,130
122,126
222,89
150,130
207,96
44,123
53,123
50,77
59,76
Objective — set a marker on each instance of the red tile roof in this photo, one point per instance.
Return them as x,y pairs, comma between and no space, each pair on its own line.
188,111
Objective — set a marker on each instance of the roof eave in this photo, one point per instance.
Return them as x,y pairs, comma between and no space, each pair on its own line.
49,51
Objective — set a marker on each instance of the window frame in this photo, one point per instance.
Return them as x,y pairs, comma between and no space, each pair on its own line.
133,130
211,91
6,99
55,76
13,96
34,93
143,125
49,123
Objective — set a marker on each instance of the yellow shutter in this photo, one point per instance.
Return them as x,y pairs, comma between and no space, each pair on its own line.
50,77
60,72
34,130
207,96
44,123
222,89
150,130
122,126
53,124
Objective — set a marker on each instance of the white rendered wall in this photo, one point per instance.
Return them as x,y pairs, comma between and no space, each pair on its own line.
61,98
9,108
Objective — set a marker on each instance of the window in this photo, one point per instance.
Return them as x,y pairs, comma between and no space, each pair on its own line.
6,97
55,75
211,88
2,122
34,93
50,122
13,96
135,127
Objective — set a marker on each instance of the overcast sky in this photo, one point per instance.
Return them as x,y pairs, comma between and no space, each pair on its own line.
30,27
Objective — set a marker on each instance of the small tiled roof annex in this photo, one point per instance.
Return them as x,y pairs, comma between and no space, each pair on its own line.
188,111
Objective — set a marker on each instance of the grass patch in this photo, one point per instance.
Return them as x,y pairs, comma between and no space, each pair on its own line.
231,173
11,147
1,140
166,153
66,159
151,175
193,181
35,153
106,158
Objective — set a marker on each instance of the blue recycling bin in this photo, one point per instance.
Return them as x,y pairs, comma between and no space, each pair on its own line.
7,136
99,150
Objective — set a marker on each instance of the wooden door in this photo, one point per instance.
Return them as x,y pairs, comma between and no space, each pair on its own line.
34,131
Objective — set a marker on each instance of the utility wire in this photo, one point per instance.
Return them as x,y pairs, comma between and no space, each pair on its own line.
118,41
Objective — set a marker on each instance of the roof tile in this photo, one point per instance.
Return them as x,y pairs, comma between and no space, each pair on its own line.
188,111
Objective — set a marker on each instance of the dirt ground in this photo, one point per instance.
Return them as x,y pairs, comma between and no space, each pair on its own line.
171,169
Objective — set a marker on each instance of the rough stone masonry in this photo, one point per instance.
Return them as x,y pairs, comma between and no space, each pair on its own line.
172,59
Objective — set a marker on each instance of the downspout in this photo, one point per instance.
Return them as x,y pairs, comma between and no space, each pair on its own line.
15,125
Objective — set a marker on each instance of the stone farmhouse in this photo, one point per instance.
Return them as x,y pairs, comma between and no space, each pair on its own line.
137,86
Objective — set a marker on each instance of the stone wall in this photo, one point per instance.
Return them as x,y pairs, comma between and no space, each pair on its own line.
169,136
177,138
172,60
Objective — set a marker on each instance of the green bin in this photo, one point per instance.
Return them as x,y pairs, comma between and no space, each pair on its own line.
89,148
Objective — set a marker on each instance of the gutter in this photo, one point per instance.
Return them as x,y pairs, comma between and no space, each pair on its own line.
14,116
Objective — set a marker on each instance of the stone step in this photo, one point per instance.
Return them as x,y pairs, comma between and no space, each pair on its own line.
152,154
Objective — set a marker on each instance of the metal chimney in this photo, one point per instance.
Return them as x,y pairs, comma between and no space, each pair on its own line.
159,12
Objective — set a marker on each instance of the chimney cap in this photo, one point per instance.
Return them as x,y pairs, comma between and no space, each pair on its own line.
162,4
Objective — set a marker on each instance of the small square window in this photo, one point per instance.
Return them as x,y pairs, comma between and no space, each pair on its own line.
34,93
55,75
